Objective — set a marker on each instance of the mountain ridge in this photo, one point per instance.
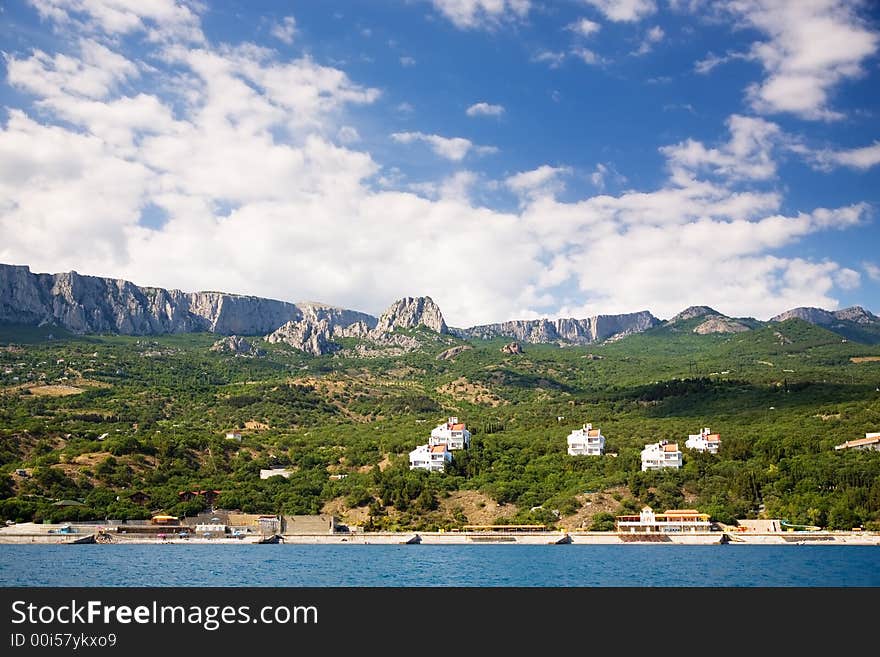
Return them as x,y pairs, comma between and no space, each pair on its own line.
92,304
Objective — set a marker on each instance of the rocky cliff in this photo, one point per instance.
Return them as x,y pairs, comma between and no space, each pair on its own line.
694,311
89,304
411,312
855,314
315,331
571,331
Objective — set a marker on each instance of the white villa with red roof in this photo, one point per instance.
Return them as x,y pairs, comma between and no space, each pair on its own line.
432,458
657,456
705,441
870,441
586,442
452,433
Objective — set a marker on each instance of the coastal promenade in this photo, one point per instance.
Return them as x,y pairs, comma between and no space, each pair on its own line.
47,534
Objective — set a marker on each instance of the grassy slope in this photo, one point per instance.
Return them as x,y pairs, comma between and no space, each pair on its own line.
781,396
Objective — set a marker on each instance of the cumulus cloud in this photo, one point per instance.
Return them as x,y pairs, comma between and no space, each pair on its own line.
543,181
652,37
747,155
872,270
584,27
250,157
407,61
862,158
160,20
484,109
811,47
587,56
285,30
469,14
552,58
93,74
624,10
451,148
348,135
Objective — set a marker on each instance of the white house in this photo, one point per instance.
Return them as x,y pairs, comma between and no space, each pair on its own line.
275,472
452,433
870,441
674,520
586,442
432,458
233,435
705,441
661,455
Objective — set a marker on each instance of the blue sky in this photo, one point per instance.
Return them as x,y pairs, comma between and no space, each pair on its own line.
509,158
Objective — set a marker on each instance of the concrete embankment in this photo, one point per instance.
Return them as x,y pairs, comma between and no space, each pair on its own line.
45,534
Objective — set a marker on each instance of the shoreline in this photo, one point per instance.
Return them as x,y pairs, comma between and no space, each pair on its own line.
40,535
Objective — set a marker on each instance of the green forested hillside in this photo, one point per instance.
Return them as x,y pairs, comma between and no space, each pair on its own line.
98,418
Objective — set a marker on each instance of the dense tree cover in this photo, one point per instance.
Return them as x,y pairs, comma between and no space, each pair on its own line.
151,414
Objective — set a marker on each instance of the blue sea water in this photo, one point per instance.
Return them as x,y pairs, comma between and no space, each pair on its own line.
460,565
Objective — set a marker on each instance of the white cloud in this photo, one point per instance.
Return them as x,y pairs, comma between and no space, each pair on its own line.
469,14
543,181
599,176
160,20
652,37
451,148
348,135
811,48
855,158
285,30
94,74
405,108
407,61
587,56
872,270
241,145
553,59
584,27
711,61
748,154
624,10
484,109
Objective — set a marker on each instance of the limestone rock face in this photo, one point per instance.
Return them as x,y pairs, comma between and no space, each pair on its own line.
237,346
411,312
822,317
308,335
568,330
811,315
856,314
694,311
719,324
452,352
512,348
89,304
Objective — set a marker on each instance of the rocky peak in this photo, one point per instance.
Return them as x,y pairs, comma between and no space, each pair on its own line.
411,312
856,314
512,348
313,337
694,311
807,314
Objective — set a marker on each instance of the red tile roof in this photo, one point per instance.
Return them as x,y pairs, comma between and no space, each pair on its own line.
861,441
670,447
